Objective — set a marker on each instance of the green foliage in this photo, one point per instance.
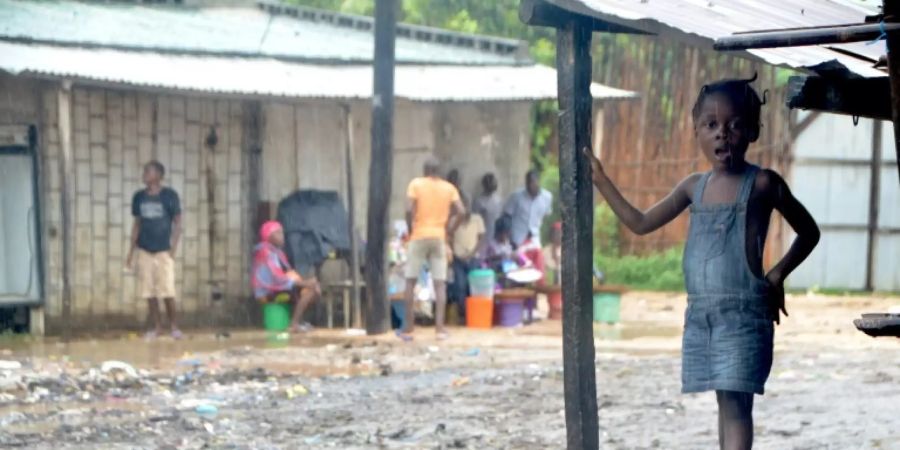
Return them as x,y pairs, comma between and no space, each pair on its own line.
606,231
495,18
782,75
550,182
363,7
658,271
543,118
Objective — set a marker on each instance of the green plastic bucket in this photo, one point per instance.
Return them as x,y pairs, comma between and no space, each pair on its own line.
606,306
276,316
481,283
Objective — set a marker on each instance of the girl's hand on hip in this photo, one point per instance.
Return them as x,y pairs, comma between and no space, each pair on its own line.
775,298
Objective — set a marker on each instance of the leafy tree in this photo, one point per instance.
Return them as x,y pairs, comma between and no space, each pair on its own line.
496,18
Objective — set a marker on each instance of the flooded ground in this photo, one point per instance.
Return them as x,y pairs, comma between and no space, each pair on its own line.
831,388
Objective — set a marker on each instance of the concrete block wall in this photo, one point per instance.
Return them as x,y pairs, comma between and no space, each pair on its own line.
114,133
304,145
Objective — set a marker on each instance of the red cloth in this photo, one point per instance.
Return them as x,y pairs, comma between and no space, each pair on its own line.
270,267
267,229
535,255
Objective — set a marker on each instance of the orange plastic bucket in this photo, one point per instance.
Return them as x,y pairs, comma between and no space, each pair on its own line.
479,312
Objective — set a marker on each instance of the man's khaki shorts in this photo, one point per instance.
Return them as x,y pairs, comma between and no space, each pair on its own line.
157,274
431,251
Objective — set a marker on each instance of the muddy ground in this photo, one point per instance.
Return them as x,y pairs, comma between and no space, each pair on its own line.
831,388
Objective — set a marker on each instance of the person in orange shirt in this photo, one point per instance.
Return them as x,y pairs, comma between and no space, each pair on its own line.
432,208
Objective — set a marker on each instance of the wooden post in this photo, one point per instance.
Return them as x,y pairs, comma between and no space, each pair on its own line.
573,64
67,199
874,194
351,211
891,10
251,142
381,166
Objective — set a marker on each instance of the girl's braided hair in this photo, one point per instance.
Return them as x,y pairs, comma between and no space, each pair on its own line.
743,98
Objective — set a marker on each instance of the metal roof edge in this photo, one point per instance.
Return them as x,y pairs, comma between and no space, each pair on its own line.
657,27
235,54
440,36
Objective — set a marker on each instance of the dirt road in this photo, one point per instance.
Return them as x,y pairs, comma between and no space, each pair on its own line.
831,388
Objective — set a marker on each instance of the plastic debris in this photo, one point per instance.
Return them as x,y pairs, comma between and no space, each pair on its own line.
462,381
190,362
296,391
472,352
110,366
206,410
10,365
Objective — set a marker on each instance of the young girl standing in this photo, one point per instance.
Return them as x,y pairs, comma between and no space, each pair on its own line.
732,304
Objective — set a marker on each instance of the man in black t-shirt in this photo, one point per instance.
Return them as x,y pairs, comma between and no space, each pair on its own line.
155,233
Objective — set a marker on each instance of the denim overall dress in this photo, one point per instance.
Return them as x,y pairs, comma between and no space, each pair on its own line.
727,343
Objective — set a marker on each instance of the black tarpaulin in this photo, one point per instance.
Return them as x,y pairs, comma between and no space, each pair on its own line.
315,225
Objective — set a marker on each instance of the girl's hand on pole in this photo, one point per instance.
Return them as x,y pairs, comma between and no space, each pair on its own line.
596,166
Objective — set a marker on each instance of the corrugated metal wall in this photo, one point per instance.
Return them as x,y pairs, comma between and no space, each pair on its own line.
831,174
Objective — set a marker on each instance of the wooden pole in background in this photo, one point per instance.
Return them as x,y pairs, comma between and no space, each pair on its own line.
351,211
573,65
67,197
874,198
380,167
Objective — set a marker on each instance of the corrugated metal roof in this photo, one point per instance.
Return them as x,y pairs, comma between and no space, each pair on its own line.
700,22
236,31
271,77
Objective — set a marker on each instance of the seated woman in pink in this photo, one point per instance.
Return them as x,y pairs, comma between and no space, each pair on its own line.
272,275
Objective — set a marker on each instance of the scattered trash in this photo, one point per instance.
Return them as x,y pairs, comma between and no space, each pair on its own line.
110,366
209,428
207,410
355,332
10,365
459,382
296,391
472,352
194,362
433,348
787,375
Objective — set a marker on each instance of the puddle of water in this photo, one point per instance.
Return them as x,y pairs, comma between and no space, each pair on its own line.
625,332
153,354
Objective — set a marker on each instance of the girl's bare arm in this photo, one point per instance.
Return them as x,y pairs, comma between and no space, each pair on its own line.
799,219
641,222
